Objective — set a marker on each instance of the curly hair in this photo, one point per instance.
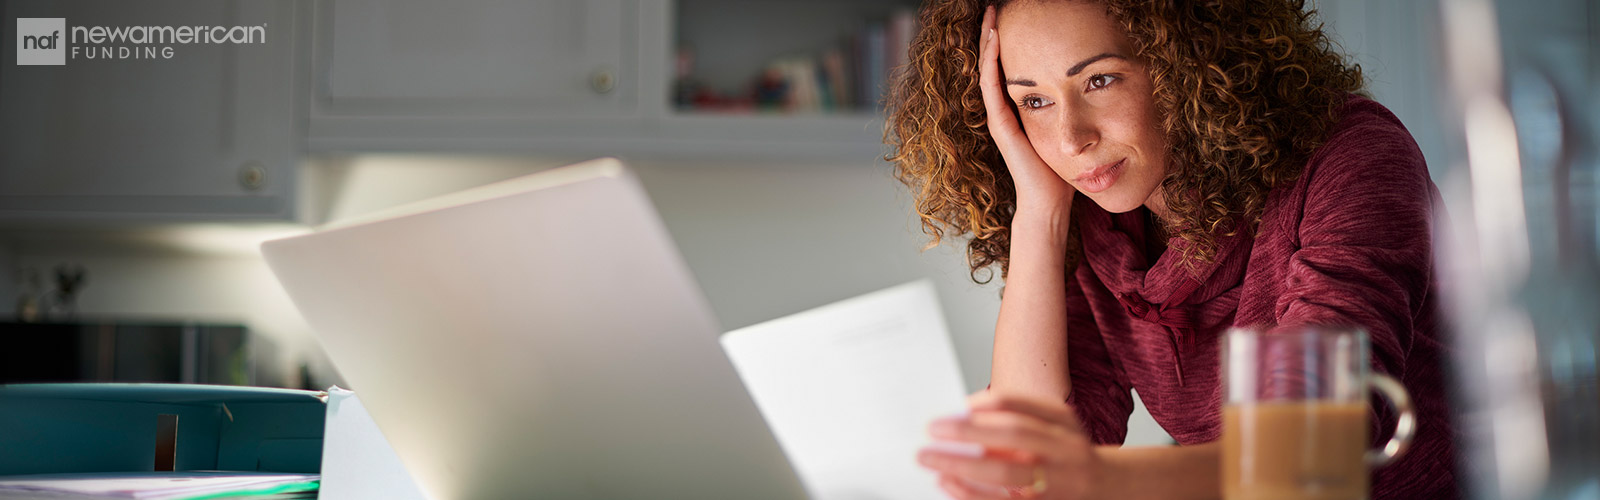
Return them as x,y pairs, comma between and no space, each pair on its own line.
1247,90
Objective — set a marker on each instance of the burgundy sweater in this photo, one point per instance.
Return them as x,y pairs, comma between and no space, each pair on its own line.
1348,243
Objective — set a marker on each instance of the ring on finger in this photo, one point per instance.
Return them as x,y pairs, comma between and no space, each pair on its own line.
1038,487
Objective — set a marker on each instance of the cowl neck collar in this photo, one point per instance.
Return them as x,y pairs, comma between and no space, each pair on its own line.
1114,245
1165,292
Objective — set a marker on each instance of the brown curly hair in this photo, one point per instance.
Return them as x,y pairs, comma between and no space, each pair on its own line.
1248,89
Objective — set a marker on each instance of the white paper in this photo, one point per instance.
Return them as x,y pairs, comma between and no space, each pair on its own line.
357,462
849,389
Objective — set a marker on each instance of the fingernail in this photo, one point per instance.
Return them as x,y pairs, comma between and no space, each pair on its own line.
957,448
991,33
959,418
946,426
925,457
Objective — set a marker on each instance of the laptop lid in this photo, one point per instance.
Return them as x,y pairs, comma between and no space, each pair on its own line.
539,337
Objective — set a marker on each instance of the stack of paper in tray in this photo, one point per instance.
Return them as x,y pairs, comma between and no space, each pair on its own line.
186,485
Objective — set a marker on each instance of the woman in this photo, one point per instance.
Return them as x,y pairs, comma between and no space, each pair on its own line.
1145,175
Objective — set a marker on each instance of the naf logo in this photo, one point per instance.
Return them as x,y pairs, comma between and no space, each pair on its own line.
41,41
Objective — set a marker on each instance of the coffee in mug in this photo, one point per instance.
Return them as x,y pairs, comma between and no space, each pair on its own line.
1295,417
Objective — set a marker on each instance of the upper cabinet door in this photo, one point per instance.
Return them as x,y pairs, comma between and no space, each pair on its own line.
146,130
477,58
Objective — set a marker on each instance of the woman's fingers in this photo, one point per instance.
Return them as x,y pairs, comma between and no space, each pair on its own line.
1036,182
1051,411
986,470
1028,438
962,490
1002,123
1021,437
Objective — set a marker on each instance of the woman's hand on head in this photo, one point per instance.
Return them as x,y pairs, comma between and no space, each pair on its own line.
1034,448
1037,185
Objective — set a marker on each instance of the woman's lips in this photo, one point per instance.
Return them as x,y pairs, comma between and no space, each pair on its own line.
1101,178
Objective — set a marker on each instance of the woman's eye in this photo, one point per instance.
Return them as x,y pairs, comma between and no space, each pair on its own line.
1033,102
1097,82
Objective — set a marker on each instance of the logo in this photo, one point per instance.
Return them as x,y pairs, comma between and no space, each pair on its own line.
49,41
41,41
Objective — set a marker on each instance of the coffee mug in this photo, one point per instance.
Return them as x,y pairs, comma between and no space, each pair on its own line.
1295,414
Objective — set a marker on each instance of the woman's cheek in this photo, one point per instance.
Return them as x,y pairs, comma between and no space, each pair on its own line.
1047,146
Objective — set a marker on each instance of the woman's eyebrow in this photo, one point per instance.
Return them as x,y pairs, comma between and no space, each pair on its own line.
1073,71
1078,68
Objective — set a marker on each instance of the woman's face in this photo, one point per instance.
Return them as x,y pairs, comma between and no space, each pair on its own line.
1085,102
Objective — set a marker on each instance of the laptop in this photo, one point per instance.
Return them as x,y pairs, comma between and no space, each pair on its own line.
539,337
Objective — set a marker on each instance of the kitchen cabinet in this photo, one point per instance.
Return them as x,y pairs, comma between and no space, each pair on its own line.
569,78
428,58
426,75
154,132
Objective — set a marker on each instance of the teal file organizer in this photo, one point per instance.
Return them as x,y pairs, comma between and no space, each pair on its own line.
62,428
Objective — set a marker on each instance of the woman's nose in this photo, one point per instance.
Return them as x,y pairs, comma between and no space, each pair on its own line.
1079,132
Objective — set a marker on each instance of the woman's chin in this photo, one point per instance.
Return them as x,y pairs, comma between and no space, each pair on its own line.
1116,202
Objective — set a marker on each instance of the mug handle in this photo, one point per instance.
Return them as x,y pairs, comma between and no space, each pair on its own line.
1404,429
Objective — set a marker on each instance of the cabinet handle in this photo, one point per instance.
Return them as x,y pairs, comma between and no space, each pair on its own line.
602,81
252,176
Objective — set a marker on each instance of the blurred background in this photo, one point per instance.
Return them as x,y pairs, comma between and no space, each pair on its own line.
134,187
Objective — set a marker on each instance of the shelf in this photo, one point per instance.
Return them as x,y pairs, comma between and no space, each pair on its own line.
844,137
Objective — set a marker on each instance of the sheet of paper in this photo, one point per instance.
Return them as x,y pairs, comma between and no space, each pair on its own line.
849,389
357,462
151,485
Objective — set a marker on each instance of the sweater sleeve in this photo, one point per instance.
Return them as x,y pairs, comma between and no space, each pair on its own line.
1364,256
1364,259
1098,395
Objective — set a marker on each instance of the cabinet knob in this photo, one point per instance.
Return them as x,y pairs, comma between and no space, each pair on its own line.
252,176
602,81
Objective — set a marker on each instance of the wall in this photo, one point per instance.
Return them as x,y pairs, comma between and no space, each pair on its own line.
9,284
1396,45
129,282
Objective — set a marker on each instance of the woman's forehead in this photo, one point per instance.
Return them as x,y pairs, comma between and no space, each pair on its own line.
1055,35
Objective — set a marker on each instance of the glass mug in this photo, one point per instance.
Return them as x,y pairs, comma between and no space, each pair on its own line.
1295,414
